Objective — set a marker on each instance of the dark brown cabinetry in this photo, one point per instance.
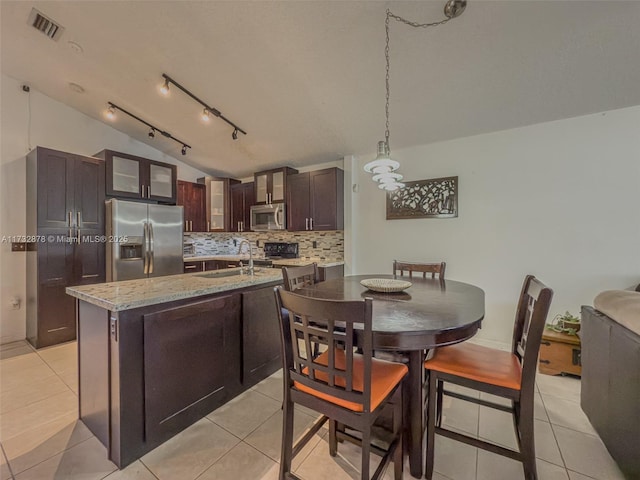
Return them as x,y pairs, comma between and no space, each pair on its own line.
271,185
170,399
132,177
315,200
147,373
192,196
218,202
260,336
242,197
65,217
207,265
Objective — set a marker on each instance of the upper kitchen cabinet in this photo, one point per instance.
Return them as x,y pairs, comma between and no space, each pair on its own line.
271,185
242,197
193,197
218,202
315,200
65,213
129,176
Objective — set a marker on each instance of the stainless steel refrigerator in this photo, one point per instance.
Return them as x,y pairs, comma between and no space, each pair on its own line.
143,240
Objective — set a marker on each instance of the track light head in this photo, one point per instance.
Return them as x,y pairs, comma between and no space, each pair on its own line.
152,133
110,113
164,89
184,149
234,135
206,115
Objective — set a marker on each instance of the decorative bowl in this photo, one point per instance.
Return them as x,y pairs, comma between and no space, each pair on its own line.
385,285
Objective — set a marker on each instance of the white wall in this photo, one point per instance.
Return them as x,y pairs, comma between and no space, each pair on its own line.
559,200
54,125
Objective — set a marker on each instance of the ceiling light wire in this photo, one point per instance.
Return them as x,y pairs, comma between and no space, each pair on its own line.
383,163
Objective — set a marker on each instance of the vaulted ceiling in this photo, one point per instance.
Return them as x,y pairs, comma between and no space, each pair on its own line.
306,79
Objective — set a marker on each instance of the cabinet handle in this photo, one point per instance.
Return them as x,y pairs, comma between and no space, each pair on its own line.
208,226
311,223
142,191
148,191
191,225
306,224
70,221
242,225
189,267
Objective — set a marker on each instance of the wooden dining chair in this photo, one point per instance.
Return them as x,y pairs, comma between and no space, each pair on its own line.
299,277
345,387
506,374
432,268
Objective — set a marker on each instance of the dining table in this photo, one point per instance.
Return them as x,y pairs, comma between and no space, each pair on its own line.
429,313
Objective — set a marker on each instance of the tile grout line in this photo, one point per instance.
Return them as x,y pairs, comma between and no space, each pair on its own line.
553,432
61,452
4,454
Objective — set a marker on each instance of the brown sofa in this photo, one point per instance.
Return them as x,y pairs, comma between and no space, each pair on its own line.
610,337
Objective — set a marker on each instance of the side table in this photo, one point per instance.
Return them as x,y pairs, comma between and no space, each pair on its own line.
559,353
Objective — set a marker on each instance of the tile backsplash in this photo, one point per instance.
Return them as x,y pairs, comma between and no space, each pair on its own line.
328,244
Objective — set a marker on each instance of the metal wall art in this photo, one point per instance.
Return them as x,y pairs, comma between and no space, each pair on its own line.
432,198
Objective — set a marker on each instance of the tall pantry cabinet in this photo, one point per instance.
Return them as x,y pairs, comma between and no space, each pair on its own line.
65,220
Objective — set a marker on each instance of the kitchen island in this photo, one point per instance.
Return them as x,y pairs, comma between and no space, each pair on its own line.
157,354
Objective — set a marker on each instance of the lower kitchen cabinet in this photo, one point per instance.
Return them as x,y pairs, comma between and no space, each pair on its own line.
148,373
327,273
260,336
179,340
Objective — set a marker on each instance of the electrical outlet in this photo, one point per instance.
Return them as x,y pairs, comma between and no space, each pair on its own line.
18,246
15,303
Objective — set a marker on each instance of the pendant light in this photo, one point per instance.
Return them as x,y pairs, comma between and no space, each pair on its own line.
384,167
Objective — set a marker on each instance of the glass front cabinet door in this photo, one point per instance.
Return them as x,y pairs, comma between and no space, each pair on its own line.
218,202
271,185
129,176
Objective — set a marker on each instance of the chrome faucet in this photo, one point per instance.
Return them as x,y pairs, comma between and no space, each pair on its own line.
243,242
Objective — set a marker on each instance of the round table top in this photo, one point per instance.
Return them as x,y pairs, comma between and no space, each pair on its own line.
428,314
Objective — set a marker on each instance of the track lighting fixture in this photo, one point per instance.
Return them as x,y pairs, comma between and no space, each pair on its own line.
208,110
111,110
164,89
110,113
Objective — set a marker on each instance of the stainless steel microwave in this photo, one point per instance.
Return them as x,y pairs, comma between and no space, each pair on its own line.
268,217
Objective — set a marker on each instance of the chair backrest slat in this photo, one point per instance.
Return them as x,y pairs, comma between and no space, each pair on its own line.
424,268
531,316
333,323
300,277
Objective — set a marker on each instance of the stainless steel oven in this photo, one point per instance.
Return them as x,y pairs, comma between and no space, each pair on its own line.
268,217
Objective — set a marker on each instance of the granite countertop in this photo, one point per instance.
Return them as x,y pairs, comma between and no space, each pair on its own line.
282,262
300,262
227,258
128,294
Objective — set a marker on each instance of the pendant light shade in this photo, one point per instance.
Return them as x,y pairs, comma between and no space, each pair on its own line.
382,163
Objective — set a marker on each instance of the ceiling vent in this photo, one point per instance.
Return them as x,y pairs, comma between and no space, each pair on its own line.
44,24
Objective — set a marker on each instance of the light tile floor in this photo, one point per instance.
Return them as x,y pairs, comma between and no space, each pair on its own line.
41,437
